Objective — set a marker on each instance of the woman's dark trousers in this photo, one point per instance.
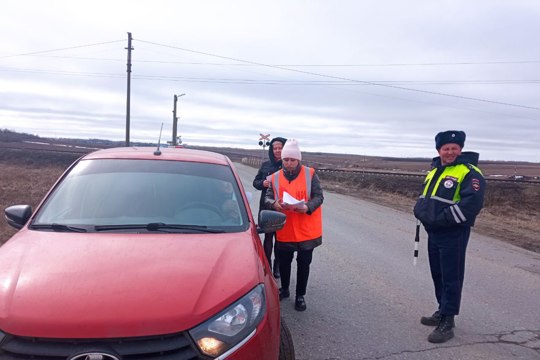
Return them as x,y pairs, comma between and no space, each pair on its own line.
303,261
268,244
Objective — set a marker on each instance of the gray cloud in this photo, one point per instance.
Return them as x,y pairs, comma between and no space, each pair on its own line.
409,70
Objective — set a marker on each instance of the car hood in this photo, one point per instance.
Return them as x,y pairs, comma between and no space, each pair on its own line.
117,285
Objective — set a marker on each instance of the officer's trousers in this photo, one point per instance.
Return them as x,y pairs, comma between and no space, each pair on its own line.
446,251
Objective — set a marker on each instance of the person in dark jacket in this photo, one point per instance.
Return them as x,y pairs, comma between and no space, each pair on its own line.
296,191
453,196
262,183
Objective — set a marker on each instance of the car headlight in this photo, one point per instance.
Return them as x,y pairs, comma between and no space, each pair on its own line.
233,325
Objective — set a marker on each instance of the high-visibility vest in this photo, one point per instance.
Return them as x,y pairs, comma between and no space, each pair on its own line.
451,176
298,227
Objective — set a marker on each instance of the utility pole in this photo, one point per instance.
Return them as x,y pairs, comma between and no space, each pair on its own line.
129,48
175,121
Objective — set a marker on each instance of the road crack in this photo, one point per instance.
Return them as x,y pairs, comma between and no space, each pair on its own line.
529,339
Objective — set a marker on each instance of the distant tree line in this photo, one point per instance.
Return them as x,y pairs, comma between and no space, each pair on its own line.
13,136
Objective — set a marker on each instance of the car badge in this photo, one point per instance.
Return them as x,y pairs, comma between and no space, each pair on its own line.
94,356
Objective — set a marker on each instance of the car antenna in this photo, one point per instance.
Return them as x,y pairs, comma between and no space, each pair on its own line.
158,152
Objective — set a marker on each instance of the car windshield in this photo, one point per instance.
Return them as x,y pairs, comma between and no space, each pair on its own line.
124,195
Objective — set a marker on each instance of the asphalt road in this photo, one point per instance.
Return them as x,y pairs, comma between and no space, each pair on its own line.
365,298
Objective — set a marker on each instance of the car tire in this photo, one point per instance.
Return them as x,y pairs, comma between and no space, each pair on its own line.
286,346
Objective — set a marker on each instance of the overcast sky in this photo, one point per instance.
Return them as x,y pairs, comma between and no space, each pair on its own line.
375,77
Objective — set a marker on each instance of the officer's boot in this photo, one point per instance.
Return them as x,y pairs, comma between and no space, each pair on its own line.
276,268
443,332
432,320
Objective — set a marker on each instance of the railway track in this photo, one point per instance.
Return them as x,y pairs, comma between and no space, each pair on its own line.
417,175
256,161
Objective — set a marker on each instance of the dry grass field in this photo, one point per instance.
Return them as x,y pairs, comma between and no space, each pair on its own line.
25,177
511,212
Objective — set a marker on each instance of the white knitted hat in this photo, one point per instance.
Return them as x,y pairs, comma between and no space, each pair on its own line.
291,150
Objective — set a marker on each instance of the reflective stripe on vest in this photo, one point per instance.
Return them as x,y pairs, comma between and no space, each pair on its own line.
457,172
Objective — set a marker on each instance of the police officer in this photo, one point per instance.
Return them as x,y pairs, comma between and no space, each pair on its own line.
453,196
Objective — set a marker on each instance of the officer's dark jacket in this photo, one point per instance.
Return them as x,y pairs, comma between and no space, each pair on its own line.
453,194
267,168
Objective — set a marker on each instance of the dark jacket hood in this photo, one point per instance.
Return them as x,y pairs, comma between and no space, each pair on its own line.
271,149
466,157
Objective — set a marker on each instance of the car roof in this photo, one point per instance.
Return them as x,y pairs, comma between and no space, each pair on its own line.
150,153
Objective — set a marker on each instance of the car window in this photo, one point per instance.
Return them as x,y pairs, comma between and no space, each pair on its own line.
125,192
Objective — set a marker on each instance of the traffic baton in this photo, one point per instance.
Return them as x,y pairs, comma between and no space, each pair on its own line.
416,242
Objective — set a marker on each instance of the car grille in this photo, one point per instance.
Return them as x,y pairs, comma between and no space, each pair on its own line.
167,347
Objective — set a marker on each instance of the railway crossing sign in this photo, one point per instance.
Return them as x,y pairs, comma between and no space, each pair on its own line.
264,140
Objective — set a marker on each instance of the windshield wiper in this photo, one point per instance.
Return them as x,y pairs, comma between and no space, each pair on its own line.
157,226
58,227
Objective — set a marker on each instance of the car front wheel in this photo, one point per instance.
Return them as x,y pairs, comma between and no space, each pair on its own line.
286,346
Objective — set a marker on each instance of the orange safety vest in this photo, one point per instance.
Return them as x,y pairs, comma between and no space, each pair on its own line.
298,227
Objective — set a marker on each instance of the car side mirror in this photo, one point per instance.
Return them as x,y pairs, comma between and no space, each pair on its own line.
270,221
18,215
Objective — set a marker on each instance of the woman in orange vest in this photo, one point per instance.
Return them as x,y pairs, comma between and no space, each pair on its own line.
296,191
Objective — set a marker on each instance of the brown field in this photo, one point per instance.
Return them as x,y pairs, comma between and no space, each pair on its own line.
511,212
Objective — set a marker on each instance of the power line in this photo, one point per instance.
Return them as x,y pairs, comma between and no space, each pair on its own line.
61,49
69,73
287,68
276,82
346,79
423,64
302,65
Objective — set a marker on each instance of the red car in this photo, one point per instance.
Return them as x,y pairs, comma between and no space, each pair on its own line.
138,253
